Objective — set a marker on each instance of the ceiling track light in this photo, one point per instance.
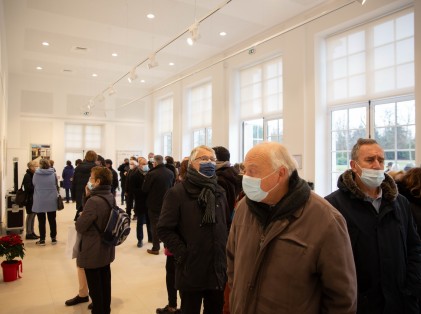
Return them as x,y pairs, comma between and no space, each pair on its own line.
132,75
152,62
362,2
194,34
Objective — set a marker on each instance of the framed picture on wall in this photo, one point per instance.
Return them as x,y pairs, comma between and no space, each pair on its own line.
121,154
40,151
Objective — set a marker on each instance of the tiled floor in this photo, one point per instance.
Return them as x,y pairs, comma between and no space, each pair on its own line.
49,277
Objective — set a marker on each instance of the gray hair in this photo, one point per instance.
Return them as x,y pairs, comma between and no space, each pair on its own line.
360,142
158,159
195,150
280,157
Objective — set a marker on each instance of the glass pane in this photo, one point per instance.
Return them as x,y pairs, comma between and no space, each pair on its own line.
340,89
92,137
357,85
74,137
251,76
356,64
405,137
273,69
383,33
405,76
384,56
384,80
199,137
405,26
389,156
209,137
405,112
339,68
272,86
339,161
335,177
356,42
339,120
337,48
385,137
405,51
384,114
72,156
339,140
252,134
357,118
274,130
273,104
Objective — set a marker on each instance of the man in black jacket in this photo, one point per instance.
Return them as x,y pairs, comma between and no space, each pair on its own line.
123,169
386,246
193,227
228,177
157,182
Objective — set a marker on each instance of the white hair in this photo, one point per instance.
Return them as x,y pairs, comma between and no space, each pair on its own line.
195,150
279,156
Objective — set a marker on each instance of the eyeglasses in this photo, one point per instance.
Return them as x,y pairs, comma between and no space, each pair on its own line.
205,158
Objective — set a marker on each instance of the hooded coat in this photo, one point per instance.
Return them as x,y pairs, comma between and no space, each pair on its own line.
45,191
67,176
293,257
386,247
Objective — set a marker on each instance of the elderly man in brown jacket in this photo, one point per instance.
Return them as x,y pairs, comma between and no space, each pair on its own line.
288,249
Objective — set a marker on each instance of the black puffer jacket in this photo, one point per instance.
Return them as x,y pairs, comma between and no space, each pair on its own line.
200,250
386,247
80,179
29,189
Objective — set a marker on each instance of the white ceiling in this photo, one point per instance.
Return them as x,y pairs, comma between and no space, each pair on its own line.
121,26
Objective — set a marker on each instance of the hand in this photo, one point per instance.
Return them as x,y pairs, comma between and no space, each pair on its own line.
87,191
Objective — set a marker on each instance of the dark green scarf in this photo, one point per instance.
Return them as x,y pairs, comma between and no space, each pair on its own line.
297,195
202,188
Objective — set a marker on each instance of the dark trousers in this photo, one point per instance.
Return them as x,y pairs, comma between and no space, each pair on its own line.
67,195
154,217
141,220
99,284
123,191
191,301
129,204
51,221
170,281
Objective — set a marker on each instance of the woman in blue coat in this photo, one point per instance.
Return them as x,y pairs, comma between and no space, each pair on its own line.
67,176
45,200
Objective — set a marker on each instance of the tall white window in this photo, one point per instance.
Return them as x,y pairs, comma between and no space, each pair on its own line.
370,82
261,103
164,114
199,100
79,138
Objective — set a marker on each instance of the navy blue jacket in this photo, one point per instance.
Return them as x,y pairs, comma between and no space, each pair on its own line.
386,247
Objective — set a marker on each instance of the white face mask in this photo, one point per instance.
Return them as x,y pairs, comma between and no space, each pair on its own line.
370,177
251,187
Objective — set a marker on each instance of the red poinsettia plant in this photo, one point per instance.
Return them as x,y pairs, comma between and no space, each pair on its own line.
11,246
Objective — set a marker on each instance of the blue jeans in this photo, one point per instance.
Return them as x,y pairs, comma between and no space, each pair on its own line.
67,195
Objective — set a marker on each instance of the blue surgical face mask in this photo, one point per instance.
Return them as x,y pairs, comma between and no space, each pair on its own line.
145,168
207,168
90,185
251,187
371,177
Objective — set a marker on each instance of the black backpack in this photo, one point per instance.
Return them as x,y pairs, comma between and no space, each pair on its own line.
118,225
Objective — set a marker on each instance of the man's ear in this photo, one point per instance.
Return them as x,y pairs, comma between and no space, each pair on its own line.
352,163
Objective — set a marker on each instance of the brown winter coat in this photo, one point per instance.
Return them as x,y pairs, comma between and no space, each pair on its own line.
299,264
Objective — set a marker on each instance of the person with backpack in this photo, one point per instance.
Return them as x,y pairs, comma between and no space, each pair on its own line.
95,256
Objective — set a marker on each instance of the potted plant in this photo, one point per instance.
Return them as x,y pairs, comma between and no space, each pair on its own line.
11,246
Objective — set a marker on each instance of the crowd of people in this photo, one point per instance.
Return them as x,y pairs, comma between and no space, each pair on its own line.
250,237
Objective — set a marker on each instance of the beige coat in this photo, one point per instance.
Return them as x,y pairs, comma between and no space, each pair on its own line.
302,265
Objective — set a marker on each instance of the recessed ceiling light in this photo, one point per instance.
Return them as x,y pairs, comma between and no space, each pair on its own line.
39,68
94,74
44,43
142,81
171,63
150,16
222,34
114,54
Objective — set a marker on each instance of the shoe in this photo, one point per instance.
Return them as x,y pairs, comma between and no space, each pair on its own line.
154,252
76,300
167,309
31,237
90,306
36,236
40,243
139,244
53,241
